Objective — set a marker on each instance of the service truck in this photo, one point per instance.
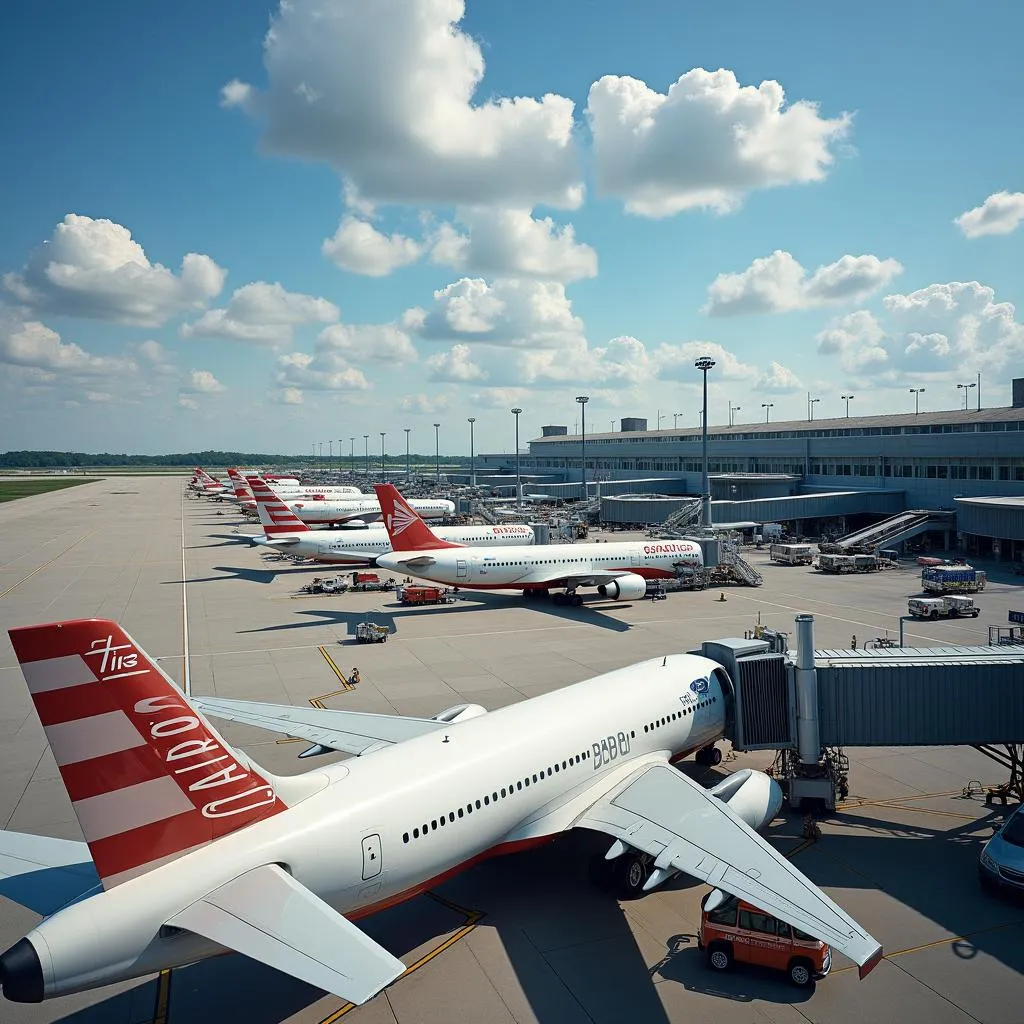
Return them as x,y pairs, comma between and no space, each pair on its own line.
952,579
791,554
847,563
950,606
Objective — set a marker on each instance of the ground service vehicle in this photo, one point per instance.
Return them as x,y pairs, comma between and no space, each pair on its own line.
847,563
732,931
951,606
425,595
1001,865
371,633
791,554
950,579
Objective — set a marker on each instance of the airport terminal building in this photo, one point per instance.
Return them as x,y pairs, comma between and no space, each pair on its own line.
811,469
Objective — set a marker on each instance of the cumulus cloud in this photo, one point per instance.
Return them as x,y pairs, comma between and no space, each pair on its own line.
779,284
706,143
384,93
512,243
327,370
34,345
386,343
357,246
261,313
941,331
94,268
288,396
675,362
1000,214
202,382
456,366
424,405
779,380
514,313
499,398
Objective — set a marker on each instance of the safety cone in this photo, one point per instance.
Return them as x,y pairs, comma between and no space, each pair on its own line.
721,596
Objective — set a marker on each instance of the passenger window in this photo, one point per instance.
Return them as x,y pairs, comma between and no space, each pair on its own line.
478,805
460,812
502,792
433,824
487,800
755,921
451,815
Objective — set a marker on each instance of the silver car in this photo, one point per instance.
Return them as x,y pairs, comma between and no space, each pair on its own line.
1001,865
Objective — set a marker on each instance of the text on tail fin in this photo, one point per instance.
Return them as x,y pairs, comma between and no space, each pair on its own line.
148,777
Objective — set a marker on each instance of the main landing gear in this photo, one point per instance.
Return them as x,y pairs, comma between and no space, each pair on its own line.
708,756
624,876
570,597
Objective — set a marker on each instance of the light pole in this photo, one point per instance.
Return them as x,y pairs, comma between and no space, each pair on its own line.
366,453
846,399
472,453
767,406
967,389
583,399
704,364
519,487
383,471
917,392
339,456
437,454
407,429
733,409
611,426
321,456
330,454
352,455
811,403
675,420
661,416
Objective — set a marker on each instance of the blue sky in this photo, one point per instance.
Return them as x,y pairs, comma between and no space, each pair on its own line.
380,239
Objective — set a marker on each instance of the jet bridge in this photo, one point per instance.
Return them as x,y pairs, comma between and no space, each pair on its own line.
811,704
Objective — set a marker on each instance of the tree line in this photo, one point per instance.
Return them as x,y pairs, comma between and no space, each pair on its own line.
186,460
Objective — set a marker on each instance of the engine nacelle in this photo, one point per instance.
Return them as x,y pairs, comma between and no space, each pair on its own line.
460,713
630,587
752,795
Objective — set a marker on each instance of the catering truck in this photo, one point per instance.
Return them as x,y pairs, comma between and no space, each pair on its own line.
952,579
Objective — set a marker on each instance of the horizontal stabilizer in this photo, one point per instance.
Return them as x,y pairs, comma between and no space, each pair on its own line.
44,874
354,732
267,915
662,812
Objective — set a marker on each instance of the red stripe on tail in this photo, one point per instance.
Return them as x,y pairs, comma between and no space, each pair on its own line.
148,776
405,527
277,518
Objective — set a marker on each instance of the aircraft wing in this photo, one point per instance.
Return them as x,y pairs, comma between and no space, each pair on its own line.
354,732
578,579
269,916
662,812
42,873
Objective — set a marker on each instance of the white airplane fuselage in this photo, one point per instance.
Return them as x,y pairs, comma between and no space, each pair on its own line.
378,833
483,569
365,546
364,509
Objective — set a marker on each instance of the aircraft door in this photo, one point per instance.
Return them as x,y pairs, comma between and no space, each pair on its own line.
461,569
372,856
636,558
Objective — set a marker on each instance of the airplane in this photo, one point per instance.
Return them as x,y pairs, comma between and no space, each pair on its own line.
297,490
617,570
198,851
284,531
205,484
358,511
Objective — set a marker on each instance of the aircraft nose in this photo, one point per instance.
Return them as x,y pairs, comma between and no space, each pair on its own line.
21,973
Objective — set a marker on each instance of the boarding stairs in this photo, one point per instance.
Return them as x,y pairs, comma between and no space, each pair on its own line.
739,568
683,517
888,532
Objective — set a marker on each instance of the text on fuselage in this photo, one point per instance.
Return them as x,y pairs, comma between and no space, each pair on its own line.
608,749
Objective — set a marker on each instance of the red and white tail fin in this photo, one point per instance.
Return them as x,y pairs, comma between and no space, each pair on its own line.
405,527
275,515
241,489
149,778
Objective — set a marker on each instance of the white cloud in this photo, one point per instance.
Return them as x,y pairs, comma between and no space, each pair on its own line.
499,398
262,313
98,397
380,342
706,143
514,313
455,365
94,268
204,383
383,92
1000,214
291,396
779,380
326,371
511,243
424,405
32,344
359,247
675,362
779,284
941,332
184,402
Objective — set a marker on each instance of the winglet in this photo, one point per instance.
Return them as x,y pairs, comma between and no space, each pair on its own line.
275,515
405,526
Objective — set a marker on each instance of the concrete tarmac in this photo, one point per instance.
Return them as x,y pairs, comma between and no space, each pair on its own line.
521,938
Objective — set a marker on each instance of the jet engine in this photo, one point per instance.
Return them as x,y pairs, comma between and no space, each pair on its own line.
630,587
460,713
752,795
